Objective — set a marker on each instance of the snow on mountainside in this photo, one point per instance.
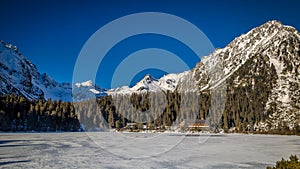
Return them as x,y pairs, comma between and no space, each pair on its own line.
267,59
18,75
261,67
215,68
236,53
150,84
86,90
261,70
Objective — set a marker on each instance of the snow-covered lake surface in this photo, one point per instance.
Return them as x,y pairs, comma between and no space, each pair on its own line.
141,150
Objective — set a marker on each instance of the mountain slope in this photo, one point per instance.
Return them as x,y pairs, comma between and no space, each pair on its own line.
150,84
18,75
261,70
86,90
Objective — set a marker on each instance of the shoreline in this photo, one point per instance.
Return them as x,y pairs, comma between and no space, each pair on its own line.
128,132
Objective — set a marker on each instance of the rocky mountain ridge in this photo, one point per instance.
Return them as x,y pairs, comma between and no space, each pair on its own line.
18,75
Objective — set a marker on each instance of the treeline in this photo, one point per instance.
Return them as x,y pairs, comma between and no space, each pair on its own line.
20,114
247,93
155,110
243,109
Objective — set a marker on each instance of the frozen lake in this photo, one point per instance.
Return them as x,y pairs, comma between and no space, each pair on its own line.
141,150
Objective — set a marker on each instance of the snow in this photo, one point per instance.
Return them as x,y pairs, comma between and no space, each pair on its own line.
281,81
237,53
62,150
85,84
86,90
23,76
261,40
94,91
16,70
150,84
57,93
277,64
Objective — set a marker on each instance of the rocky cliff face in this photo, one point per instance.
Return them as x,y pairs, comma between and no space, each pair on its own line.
20,76
261,72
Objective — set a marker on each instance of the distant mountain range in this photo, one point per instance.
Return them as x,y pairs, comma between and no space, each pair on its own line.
261,70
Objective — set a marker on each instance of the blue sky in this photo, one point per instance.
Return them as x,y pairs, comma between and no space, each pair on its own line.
51,33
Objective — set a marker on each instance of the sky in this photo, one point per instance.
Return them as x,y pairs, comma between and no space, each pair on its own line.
51,33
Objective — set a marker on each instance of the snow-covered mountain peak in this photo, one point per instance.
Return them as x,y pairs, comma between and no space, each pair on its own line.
271,24
275,24
223,62
148,79
150,84
86,90
88,83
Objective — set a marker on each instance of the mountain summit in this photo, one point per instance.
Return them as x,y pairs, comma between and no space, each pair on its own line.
150,84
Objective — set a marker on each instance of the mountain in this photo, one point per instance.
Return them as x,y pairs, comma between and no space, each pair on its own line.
261,73
18,75
86,90
257,75
150,84
263,41
261,70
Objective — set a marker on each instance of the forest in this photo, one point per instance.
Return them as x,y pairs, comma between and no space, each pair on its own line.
20,114
105,113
